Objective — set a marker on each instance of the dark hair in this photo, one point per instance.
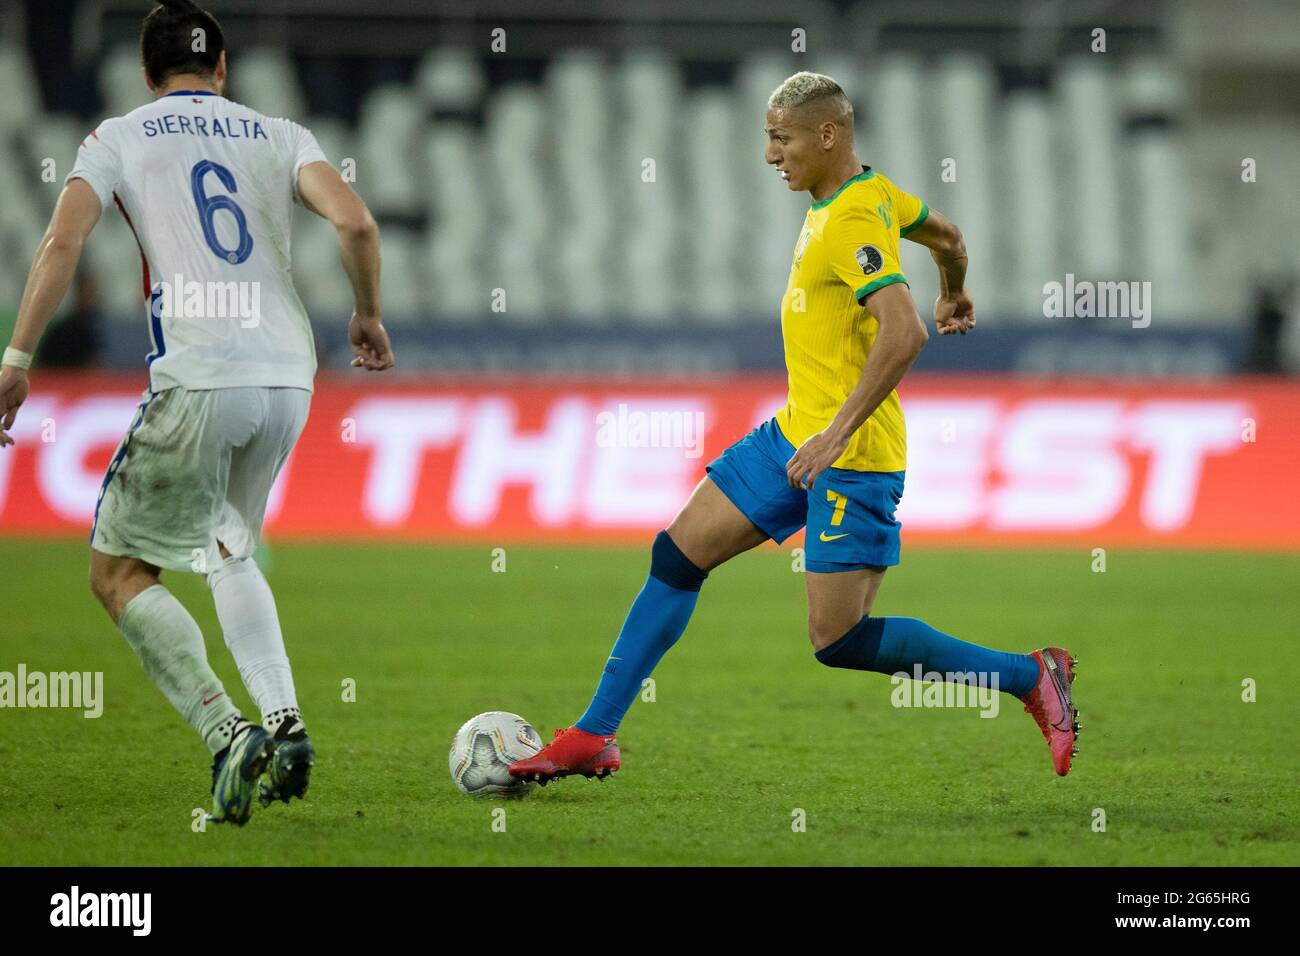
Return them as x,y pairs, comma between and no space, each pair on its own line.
167,41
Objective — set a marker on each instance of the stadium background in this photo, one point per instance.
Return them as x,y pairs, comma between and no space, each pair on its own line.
540,273
591,201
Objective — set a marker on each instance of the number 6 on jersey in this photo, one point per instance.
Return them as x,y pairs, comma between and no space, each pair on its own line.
208,206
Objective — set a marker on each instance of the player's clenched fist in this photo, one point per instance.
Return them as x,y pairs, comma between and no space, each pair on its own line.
13,392
370,343
954,313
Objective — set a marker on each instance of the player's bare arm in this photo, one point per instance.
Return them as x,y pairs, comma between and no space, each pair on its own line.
55,264
901,337
324,192
953,309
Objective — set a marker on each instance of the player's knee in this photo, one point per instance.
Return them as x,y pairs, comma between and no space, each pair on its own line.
823,629
100,585
671,566
819,636
105,580
231,567
112,582
826,627
678,533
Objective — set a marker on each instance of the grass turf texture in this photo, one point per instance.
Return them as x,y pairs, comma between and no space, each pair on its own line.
746,726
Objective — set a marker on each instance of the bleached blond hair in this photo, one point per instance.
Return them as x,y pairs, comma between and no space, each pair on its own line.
817,92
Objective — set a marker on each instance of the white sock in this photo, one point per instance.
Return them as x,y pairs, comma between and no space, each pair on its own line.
170,646
289,717
246,609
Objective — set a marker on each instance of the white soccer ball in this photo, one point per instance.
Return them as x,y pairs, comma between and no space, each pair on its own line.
485,747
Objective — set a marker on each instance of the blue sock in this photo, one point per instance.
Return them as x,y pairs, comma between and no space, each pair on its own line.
892,644
657,619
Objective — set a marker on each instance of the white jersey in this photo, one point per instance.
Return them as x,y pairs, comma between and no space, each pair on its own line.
208,187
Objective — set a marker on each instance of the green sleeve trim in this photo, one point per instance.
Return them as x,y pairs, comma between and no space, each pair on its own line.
925,211
880,283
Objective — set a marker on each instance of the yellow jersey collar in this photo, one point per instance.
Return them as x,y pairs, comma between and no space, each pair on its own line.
867,173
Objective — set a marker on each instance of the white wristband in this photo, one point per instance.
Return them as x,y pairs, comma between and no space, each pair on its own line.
17,359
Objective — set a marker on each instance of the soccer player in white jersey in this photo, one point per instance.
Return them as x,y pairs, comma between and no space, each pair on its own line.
207,186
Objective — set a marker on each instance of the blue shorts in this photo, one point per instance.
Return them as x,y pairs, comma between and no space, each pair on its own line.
849,514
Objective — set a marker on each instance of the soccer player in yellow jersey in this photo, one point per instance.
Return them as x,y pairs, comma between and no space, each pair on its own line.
832,460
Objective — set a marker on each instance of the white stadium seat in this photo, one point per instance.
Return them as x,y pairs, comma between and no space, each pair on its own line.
21,101
451,79
264,78
544,189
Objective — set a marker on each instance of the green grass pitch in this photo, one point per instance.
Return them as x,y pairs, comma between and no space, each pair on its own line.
745,729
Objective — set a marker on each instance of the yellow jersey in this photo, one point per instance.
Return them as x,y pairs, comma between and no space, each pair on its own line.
848,249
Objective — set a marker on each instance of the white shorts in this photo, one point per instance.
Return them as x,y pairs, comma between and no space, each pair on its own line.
196,468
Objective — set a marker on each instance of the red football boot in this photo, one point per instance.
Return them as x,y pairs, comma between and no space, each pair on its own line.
1052,705
572,751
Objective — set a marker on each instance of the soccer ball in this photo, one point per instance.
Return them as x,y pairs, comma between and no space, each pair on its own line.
485,747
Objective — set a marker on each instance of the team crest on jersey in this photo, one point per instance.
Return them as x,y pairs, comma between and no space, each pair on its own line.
804,238
870,259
